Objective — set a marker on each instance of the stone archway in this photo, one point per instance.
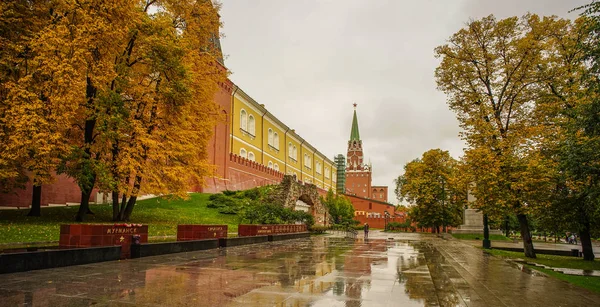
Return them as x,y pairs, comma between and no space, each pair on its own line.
292,194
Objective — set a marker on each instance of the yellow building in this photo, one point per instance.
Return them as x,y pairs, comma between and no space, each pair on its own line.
259,136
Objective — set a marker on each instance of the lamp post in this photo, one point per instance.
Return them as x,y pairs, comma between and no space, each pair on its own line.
486,233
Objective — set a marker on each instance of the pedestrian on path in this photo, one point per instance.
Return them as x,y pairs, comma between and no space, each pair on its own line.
366,231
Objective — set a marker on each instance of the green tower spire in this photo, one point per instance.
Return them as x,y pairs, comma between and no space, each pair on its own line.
354,135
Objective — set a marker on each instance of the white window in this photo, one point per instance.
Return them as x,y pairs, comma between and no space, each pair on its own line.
244,120
318,167
290,150
295,154
270,137
251,127
243,153
276,167
326,172
270,165
276,140
251,156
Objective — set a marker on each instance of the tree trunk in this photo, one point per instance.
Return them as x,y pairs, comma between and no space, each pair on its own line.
526,235
506,227
88,139
126,210
129,208
85,205
36,201
115,205
586,243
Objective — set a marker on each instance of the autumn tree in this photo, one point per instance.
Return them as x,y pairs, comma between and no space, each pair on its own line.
41,86
340,209
431,184
573,143
494,73
96,31
173,77
147,109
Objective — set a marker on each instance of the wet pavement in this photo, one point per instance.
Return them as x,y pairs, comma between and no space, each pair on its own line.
385,270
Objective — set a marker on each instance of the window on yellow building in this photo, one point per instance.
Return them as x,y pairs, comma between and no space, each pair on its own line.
244,120
295,154
276,140
270,165
251,125
243,153
251,156
276,167
270,137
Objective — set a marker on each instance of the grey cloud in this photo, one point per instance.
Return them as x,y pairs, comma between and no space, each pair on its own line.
308,61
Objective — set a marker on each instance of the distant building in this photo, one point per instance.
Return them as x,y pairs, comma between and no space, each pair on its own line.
340,162
369,201
358,173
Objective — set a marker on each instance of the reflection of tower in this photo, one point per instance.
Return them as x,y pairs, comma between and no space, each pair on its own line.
358,174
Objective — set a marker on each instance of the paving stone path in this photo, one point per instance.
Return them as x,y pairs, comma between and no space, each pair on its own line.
385,270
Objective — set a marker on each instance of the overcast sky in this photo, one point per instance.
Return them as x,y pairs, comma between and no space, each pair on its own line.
308,61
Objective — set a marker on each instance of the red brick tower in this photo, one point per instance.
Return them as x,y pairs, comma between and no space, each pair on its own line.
358,174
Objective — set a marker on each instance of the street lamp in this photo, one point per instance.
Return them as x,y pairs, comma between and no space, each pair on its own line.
486,233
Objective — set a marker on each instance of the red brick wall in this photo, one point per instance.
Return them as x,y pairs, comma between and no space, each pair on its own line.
367,205
63,190
376,222
245,174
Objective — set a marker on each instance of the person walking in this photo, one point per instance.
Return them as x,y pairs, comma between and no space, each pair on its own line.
366,231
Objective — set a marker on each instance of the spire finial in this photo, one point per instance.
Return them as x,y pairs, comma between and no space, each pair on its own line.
354,135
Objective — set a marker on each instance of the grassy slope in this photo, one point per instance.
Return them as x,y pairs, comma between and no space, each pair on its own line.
588,282
472,236
160,214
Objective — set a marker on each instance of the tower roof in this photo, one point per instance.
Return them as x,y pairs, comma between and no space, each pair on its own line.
354,134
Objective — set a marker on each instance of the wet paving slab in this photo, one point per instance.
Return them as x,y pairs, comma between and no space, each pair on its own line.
385,270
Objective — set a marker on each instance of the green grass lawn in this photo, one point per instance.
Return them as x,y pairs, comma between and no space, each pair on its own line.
550,260
588,282
160,214
472,236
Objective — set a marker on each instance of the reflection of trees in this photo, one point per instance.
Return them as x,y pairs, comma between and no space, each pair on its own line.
426,279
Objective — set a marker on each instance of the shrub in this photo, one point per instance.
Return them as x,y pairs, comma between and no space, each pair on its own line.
258,213
225,204
318,229
229,193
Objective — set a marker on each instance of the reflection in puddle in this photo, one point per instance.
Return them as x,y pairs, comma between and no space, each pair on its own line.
320,271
